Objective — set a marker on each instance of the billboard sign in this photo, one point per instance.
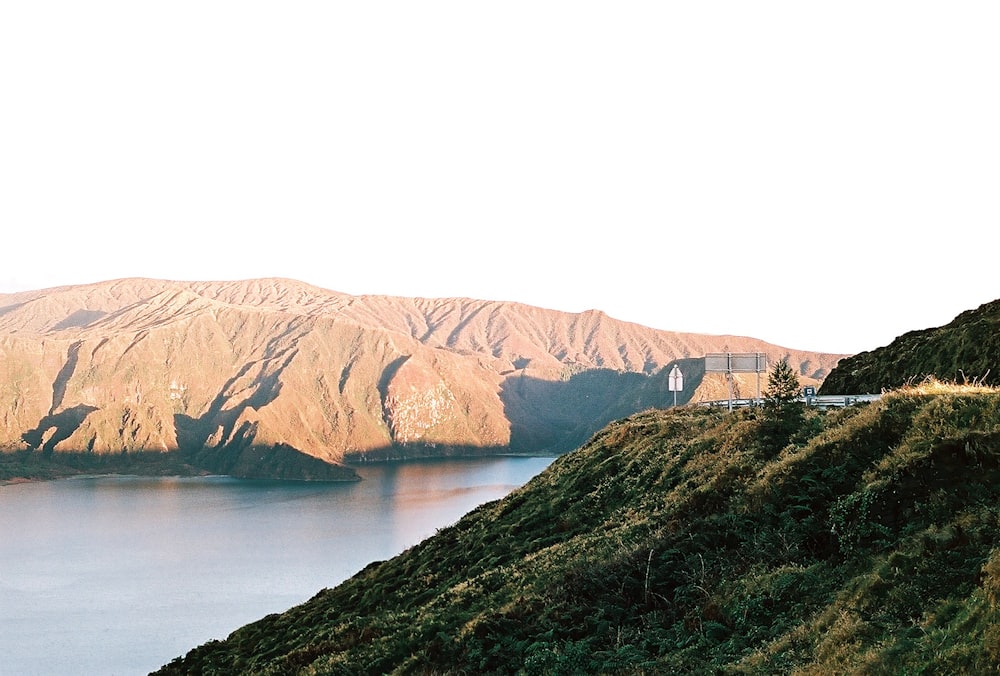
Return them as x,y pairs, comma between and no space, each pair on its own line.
736,362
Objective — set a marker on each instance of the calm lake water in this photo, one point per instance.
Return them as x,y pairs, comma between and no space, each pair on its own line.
119,575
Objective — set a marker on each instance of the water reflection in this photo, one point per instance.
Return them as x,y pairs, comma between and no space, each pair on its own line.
121,574
424,496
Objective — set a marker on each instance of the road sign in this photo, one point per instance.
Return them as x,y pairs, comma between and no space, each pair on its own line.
675,382
730,363
676,379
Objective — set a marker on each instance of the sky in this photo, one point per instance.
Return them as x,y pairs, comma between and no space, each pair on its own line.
822,176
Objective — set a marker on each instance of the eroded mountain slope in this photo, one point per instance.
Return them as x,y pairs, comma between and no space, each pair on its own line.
230,371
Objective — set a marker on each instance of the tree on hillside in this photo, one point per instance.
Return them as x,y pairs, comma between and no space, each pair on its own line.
783,412
782,385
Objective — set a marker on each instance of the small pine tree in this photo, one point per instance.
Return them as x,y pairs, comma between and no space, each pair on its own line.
783,412
782,385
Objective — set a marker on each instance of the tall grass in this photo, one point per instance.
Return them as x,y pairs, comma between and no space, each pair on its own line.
687,541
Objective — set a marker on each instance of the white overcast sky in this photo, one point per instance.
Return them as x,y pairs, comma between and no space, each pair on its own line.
823,176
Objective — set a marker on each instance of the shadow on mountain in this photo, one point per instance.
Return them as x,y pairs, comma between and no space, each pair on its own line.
244,460
237,455
558,416
388,373
10,308
80,319
61,425
194,433
65,373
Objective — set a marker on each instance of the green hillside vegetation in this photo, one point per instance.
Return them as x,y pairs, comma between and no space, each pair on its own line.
964,350
26,465
770,540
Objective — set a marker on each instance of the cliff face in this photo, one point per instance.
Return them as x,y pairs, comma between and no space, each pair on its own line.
214,369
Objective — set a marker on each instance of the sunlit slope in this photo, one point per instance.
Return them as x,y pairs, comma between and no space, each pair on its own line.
692,541
225,371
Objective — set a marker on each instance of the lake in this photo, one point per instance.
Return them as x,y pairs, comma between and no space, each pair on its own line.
119,575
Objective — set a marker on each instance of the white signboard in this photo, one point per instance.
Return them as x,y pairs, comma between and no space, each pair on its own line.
675,380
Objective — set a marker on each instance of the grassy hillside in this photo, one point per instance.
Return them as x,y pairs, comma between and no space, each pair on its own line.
964,350
864,540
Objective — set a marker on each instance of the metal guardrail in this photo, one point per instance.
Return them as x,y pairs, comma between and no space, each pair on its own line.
825,401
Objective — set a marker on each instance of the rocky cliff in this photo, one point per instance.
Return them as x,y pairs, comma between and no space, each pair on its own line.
253,376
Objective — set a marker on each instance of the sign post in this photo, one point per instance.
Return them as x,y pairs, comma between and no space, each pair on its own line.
730,363
675,382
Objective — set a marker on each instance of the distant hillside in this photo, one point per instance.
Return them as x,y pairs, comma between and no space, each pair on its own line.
864,540
966,349
273,377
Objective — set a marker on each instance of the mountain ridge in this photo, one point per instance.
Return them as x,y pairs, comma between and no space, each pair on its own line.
213,369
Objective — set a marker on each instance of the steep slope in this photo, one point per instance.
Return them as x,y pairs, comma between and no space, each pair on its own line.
965,349
229,373
692,541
